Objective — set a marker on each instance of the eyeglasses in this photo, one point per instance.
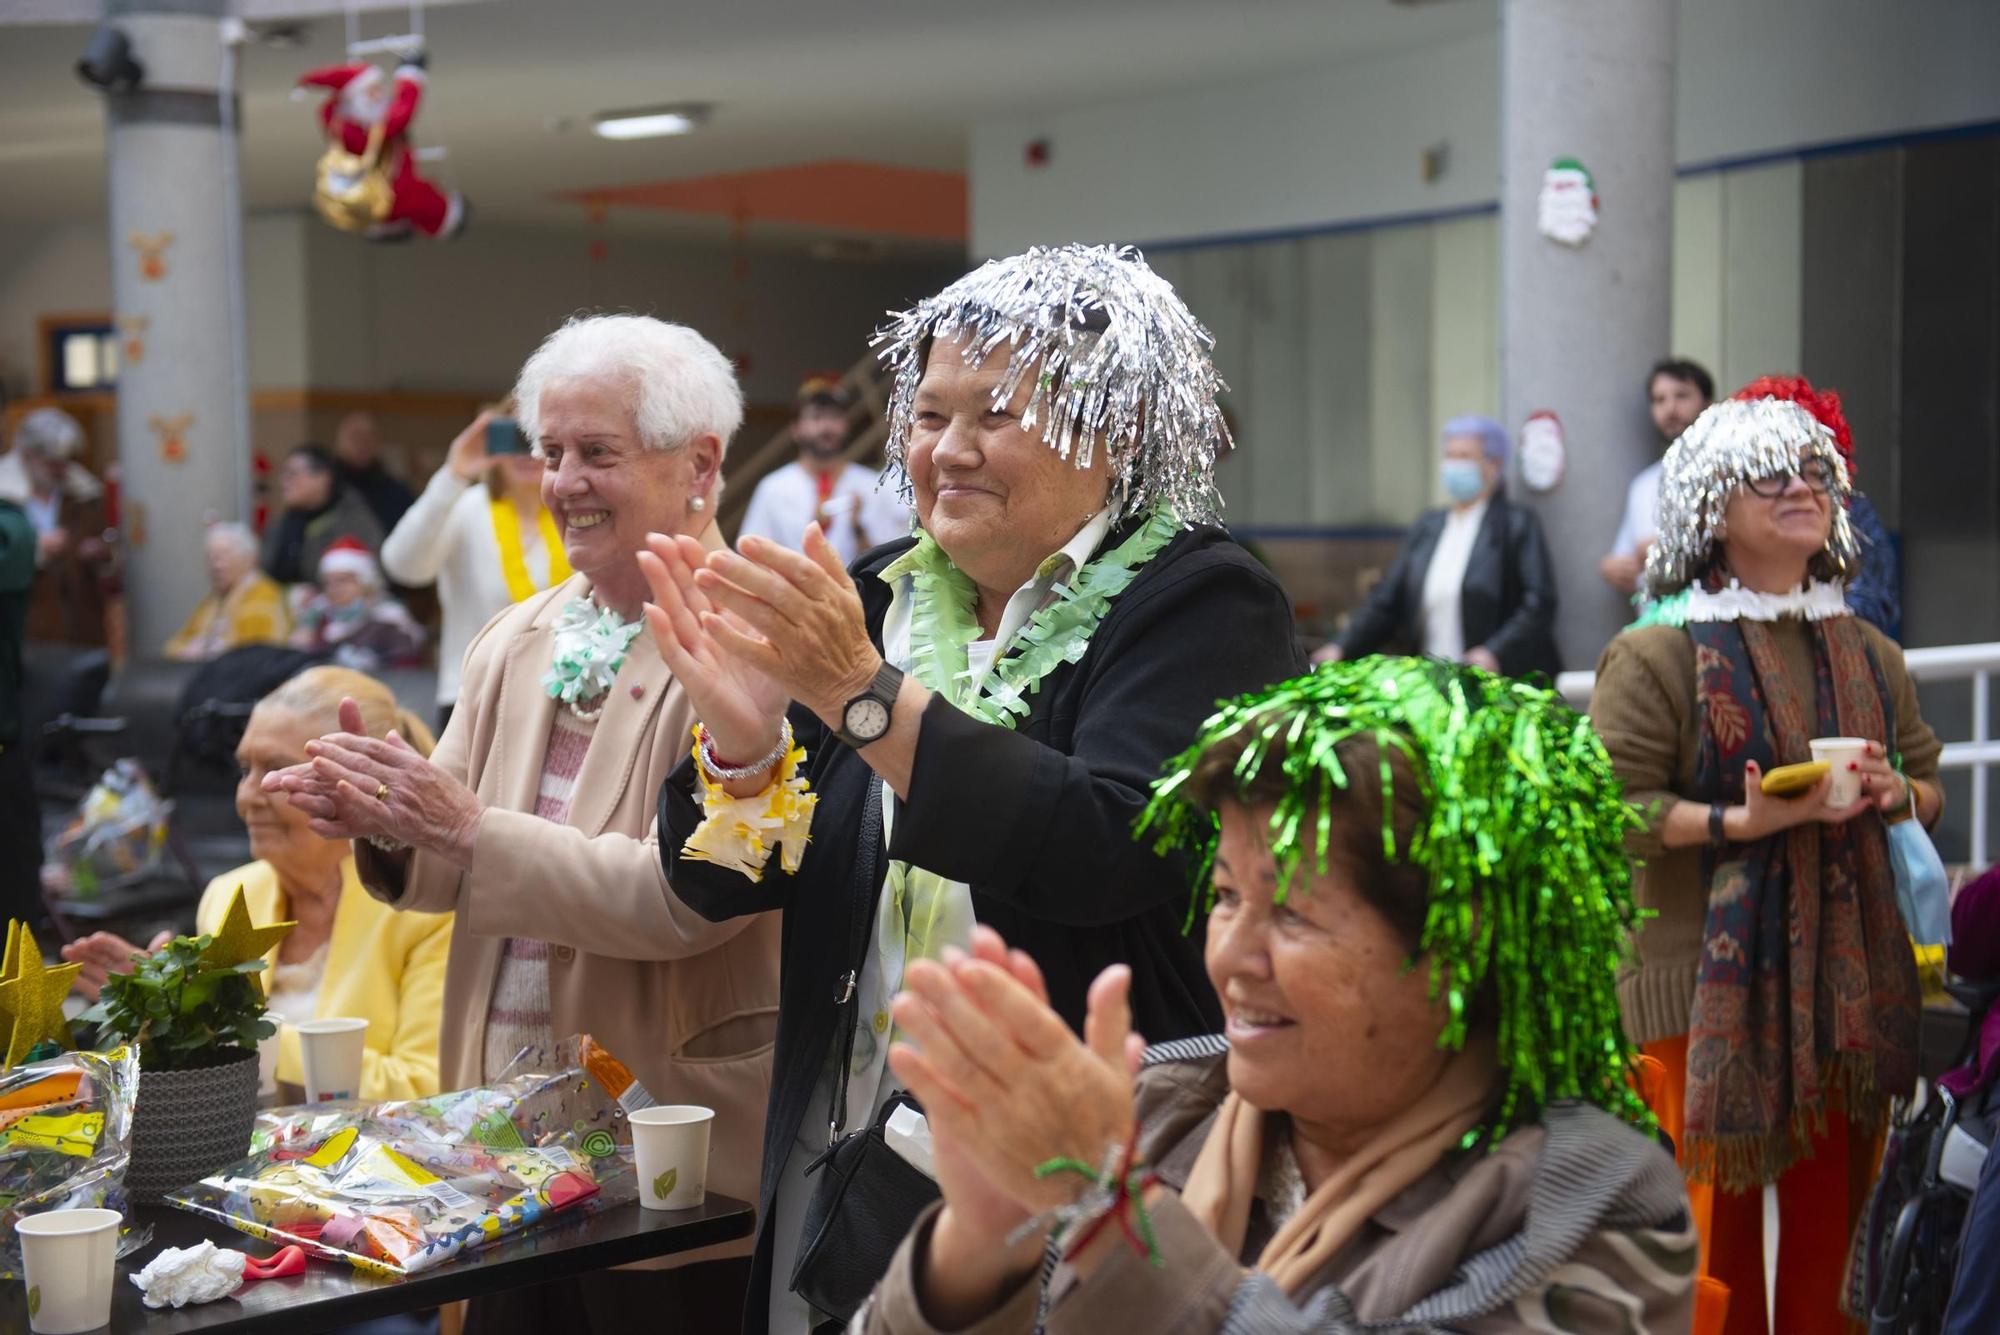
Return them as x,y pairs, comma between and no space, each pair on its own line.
1815,473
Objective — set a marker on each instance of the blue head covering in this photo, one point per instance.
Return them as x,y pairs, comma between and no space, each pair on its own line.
1492,436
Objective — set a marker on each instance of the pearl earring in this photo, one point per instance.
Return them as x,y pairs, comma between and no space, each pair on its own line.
697,503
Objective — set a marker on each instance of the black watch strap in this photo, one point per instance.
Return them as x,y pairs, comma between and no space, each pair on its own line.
1716,835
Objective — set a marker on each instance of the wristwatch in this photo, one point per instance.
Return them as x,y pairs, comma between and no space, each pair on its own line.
865,718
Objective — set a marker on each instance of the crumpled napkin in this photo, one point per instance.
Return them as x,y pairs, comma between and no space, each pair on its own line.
198,1274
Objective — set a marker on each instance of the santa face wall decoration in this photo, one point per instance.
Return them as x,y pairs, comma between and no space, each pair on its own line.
1567,209
1543,457
152,248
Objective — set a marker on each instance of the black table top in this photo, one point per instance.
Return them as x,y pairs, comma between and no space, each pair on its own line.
330,1295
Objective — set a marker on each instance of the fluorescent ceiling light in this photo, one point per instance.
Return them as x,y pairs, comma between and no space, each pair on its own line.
650,122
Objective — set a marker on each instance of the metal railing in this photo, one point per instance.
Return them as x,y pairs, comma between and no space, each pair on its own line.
1976,663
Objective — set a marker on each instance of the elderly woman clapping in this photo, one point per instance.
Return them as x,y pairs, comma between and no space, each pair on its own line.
1014,676
348,955
535,818
1417,1116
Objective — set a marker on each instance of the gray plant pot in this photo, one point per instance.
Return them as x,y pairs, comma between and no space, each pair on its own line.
187,1124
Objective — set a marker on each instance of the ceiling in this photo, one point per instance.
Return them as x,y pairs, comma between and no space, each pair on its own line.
514,84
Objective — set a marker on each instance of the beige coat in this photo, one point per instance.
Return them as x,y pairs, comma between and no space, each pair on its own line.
691,1006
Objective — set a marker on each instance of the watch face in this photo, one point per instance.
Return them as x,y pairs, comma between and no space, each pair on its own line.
867,719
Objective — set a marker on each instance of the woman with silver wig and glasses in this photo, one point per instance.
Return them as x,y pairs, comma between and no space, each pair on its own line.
1773,980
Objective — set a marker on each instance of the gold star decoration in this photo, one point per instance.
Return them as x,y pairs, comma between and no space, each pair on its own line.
31,995
238,939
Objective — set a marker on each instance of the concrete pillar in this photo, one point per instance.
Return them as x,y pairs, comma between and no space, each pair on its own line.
176,218
1579,327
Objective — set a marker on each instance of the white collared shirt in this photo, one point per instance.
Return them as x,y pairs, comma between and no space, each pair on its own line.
1061,565
1639,524
871,1083
1444,583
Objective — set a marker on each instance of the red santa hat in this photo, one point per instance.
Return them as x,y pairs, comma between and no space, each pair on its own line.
350,556
1823,404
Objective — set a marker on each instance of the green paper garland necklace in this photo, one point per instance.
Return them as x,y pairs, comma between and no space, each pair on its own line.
590,647
943,623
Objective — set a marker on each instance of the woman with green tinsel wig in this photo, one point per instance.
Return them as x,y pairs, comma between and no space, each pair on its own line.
1419,1116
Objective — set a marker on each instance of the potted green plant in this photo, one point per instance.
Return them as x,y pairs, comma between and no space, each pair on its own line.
195,1011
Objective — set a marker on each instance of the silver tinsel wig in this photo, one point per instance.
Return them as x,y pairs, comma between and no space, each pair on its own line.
1729,445
1118,360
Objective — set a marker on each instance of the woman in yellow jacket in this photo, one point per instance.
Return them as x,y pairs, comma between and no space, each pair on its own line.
349,955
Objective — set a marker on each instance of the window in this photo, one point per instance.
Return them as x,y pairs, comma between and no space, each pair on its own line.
80,354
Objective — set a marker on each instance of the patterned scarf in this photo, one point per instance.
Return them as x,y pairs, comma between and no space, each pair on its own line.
1806,995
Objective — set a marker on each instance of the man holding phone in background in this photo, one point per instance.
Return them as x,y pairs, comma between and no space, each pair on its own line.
852,506
485,547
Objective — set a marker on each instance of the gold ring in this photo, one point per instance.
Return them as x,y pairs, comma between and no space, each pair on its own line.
381,792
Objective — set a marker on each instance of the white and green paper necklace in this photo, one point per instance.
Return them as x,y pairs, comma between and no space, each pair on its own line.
591,643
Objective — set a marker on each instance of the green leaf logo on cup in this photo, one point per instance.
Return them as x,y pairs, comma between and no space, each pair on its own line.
664,1184
35,1300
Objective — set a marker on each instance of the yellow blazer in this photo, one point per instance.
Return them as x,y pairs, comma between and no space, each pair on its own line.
384,966
254,612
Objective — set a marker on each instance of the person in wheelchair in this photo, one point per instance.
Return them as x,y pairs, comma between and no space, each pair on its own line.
1975,958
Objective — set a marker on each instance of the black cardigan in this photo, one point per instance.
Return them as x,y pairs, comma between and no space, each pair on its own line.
1038,820
1508,601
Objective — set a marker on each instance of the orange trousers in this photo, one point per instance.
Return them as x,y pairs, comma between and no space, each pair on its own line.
1820,1200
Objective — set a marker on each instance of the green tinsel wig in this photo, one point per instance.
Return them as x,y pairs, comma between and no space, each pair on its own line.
1522,838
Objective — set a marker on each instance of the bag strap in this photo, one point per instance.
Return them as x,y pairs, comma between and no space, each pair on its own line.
848,994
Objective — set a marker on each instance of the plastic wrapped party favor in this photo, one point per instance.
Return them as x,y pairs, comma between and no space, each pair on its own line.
398,1188
65,1138
119,829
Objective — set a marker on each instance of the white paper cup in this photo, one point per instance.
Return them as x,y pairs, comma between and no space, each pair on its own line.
331,1052
670,1143
69,1256
1840,752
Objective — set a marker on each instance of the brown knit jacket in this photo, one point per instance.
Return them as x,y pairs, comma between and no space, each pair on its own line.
1644,709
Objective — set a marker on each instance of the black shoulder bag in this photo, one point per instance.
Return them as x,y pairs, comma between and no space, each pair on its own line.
867,1196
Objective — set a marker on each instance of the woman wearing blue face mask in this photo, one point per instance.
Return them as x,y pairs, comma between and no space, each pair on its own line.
1473,581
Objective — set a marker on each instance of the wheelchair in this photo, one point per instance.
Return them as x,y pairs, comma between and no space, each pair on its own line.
1917,1217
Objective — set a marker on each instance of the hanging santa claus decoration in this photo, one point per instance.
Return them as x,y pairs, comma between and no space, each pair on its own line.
368,179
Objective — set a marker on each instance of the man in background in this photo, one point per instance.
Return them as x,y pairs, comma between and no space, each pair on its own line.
1677,391
357,445
853,507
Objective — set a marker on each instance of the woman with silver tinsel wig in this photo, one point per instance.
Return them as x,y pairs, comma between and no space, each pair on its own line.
1775,983
968,720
